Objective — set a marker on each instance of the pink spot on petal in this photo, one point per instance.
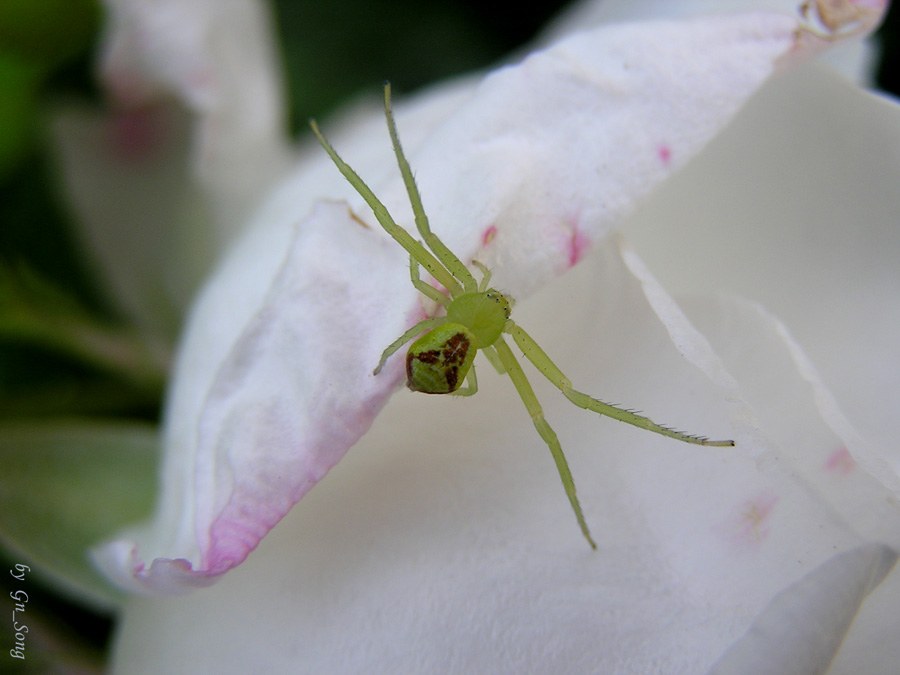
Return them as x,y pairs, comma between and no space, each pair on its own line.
748,526
579,244
664,152
840,462
488,236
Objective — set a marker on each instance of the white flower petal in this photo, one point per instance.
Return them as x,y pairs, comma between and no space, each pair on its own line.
855,58
445,542
286,401
795,206
753,345
589,127
598,120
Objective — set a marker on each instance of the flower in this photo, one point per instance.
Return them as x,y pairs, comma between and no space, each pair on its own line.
428,549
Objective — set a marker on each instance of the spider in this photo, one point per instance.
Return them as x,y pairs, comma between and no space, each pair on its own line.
475,318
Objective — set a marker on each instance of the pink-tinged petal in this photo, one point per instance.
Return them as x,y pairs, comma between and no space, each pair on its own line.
274,382
164,576
576,129
285,402
297,390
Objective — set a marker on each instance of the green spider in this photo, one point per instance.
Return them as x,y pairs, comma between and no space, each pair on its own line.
475,319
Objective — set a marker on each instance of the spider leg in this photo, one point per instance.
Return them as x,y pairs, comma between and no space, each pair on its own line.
422,255
485,276
491,354
421,327
471,387
444,254
427,290
517,375
542,362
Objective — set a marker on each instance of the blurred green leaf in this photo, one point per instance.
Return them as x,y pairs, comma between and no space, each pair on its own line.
36,37
36,229
18,87
66,486
334,49
47,32
34,310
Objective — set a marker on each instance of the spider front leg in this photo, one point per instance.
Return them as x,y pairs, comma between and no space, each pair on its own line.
423,288
471,387
453,264
517,375
542,362
423,256
421,327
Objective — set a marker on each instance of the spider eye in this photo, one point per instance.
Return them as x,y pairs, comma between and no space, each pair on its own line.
501,300
438,362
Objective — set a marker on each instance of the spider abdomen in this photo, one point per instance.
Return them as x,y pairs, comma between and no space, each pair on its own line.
438,362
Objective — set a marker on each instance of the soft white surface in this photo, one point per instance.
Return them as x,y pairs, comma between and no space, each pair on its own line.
854,58
804,220
601,117
444,542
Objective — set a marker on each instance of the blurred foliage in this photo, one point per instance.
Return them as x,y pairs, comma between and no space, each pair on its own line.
887,75
71,464
333,49
36,38
49,293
